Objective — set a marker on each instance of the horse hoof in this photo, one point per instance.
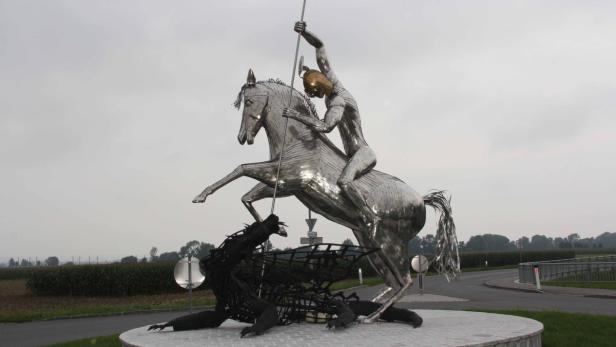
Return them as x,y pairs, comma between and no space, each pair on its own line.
199,200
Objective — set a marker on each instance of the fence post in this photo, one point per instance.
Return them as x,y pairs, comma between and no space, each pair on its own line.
537,280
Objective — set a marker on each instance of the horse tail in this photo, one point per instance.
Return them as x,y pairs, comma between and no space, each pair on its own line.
446,260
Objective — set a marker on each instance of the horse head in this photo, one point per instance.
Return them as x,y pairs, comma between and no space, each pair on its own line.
255,109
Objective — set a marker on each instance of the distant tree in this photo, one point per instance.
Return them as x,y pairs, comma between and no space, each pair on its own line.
153,254
169,257
413,245
25,263
129,260
541,242
488,243
573,237
190,248
561,243
607,240
204,250
428,244
523,242
52,261
143,260
13,263
423,245
348,242
69,263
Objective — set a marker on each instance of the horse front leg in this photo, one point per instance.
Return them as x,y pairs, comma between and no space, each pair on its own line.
263,171
258,192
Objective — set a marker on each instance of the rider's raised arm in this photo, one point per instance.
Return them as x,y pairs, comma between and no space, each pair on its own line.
315,42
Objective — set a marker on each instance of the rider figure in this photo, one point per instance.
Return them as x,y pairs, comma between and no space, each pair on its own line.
342,112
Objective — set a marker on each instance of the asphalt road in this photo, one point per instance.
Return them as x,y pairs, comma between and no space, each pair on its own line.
470,287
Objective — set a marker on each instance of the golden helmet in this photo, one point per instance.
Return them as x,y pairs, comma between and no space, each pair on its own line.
316,83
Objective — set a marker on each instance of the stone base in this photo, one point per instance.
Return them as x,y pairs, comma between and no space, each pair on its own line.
440,328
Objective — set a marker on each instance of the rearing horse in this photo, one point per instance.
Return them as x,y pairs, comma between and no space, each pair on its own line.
309,170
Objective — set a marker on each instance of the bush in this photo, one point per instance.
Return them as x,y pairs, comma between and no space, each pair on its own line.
16,273
105,280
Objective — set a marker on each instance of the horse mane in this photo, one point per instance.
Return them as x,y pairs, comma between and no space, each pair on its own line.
275,81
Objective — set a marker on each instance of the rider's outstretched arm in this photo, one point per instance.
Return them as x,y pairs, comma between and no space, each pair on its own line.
315,42
331,120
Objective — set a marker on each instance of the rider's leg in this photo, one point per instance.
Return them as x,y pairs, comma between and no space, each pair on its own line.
360,163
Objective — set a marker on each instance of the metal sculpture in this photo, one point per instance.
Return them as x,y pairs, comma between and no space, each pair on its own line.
294,286
309,170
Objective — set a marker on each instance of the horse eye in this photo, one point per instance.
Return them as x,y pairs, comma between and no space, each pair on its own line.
248,102
256,116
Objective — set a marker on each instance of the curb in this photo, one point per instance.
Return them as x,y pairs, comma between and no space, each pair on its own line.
600,296
526,290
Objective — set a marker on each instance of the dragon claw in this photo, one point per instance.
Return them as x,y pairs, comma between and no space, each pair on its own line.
157,326
251,329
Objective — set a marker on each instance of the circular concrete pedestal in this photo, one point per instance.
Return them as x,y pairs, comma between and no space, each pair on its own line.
440,328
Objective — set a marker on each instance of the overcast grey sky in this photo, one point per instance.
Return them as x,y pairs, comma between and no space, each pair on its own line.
115,114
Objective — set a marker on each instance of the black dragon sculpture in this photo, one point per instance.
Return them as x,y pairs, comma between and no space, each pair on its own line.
280,287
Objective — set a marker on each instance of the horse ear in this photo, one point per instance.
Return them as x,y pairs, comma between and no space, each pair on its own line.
251,80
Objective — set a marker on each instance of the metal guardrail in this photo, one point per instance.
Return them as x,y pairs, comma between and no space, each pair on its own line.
599,268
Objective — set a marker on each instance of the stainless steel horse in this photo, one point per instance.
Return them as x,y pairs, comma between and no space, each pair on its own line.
310,167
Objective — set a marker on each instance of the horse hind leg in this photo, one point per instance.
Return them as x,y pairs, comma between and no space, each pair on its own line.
395,262
384,266
399,292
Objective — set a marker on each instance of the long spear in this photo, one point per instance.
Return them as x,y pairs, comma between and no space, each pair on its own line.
286,123
284,138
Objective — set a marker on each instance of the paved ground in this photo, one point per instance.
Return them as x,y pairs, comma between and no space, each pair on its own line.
467,293
439,328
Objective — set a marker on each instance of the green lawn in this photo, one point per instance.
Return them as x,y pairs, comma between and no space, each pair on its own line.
571,329
354,282
582,284
101,341
561,330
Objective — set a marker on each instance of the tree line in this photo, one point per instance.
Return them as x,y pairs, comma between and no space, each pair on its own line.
425,244
495,242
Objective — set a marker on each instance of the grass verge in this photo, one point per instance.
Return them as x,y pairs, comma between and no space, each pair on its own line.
563,329
17,304
100,341
75,311
582,284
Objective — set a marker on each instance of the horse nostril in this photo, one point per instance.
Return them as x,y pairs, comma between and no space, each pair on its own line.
241,139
